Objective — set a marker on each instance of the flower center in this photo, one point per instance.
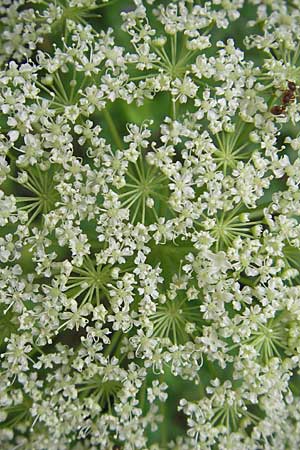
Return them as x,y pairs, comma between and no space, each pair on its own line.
145,192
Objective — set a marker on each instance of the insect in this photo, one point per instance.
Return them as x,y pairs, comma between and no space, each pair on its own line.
287,97
277,110
292,86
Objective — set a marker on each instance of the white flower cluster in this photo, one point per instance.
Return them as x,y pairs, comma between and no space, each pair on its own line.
150,225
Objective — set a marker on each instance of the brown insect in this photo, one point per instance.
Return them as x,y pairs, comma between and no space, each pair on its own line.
287,97
292,86
277,110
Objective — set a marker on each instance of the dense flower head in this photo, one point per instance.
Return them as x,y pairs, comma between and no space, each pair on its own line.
149,225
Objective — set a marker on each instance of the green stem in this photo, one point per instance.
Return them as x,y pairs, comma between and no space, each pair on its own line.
142,395
112,2
173,109
113,129
258,212
113,343
164,428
